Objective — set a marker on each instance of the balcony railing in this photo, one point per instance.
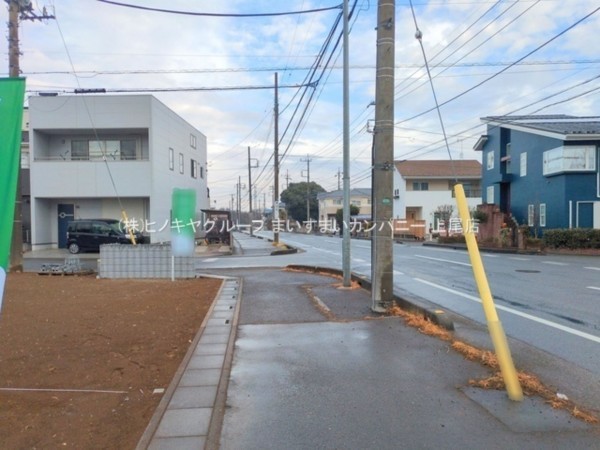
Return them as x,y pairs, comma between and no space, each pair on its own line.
109,158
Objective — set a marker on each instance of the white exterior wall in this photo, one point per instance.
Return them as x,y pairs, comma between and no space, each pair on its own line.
427,201
169,131
399,205
144,186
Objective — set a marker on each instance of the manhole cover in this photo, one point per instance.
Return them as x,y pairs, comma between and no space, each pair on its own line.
527,271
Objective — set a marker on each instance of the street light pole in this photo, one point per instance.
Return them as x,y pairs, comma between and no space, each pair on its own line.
346,157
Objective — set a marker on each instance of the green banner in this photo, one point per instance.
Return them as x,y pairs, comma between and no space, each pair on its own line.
12,93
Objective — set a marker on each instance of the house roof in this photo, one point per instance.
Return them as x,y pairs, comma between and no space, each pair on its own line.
558,126
463,168
357,192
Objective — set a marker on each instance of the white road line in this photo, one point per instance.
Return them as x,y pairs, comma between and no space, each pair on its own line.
594,287
86,391
560,327
443,260
555,263
358,260
592,268
396,272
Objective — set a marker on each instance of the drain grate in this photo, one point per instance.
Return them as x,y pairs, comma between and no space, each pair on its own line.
527,271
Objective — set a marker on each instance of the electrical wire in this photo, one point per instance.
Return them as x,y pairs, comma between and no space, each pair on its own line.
419,37
204,14
539,47
89,114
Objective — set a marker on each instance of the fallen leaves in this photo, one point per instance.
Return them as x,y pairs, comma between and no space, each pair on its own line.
530,384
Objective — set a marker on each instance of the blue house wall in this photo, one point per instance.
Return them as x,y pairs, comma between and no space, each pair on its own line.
559,192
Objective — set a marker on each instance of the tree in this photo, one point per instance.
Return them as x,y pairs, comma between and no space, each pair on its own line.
444,212
339,215
294,198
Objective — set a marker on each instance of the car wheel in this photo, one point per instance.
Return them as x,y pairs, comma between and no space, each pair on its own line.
74,248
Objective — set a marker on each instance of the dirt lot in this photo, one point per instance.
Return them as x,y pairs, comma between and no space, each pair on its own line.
81,357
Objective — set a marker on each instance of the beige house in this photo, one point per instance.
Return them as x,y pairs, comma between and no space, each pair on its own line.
330,202
421,187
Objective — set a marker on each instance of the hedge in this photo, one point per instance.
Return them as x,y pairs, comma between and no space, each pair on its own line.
573,238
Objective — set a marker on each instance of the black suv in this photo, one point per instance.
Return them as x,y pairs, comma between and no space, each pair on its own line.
90,234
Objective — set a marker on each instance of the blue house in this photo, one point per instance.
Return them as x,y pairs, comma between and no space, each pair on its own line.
543,170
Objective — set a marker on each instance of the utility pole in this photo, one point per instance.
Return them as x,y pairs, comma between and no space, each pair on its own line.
307,160
18,9
287,179
250,167
339,178
382,270
276,168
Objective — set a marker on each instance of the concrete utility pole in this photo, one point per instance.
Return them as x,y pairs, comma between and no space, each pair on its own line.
16,244
382,269
18,9
287,179
250,167
307,160
276,167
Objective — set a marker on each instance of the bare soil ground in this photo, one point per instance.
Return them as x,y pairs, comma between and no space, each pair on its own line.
80,357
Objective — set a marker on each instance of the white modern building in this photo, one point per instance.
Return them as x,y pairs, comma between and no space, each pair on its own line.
94,156
422,186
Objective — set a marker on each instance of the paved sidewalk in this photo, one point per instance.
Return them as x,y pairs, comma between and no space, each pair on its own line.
290,360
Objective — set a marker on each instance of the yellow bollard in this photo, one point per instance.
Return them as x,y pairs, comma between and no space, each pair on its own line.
507,367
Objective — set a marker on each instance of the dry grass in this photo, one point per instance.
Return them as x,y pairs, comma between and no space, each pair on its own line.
530,384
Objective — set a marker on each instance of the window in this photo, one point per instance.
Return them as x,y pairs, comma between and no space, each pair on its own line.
202,172
194,168
523,165
572,158
490,195
542,214
171,159
128,149
420,186
100,149
396,193
181,163
490,160
506,159
97,150
192,141
530,215
80,150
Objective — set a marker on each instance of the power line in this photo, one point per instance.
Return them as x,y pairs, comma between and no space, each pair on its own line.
539,47
190,13
181,89
92,73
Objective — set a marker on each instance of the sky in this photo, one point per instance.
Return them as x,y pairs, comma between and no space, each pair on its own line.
485,57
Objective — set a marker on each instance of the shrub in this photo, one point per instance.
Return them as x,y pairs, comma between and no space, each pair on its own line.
480,216
573,238
454,239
